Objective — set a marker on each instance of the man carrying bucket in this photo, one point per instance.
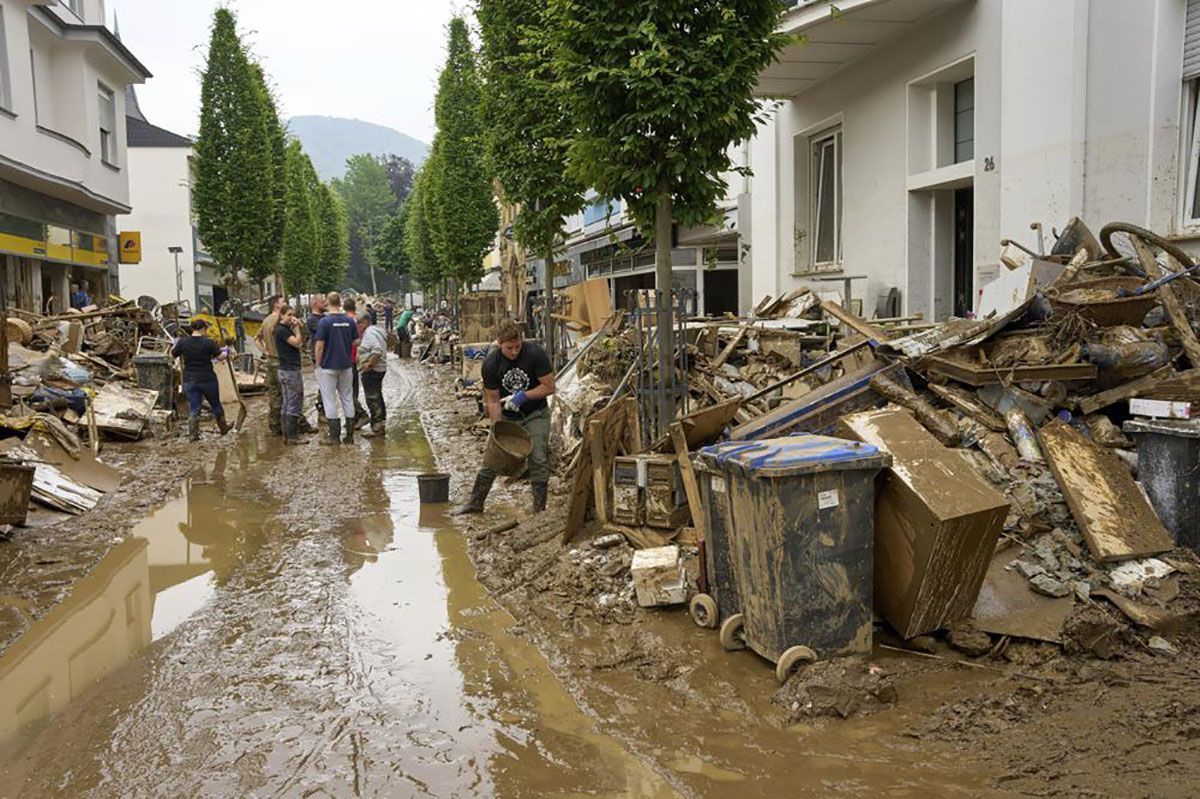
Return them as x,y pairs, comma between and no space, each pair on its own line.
517,379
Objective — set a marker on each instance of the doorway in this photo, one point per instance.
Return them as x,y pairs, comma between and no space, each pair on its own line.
964,251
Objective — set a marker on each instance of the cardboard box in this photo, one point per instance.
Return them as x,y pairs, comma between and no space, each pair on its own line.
936,524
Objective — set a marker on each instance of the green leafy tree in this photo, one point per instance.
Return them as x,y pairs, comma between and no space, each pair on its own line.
272,247
400,175
390,253
418,241
464,216
235,193
529,128
367,192
301,235
659,91
335,239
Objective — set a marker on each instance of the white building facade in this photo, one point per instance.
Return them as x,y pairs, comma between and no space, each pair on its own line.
63,160
909,136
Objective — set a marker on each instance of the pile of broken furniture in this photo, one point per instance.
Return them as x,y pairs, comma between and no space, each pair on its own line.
1041,476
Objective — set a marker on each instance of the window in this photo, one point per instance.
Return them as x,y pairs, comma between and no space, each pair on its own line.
964,120
5,80
1191,143
599,210
825,180
108,125
76,7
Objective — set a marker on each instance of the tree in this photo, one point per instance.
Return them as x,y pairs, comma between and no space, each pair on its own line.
235,192
301,234
418,243
659,91
335,239
390,253
368,197
464,215
278,136
529,129
400,175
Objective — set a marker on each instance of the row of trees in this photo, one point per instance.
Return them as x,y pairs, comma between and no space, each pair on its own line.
638,101
260,208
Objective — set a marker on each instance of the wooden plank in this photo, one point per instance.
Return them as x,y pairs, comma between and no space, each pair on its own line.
599,464
972,375
970,407
1182,387
725,353
1133,388
690,486
826,361
945,430
877,334
1170,301
1113,513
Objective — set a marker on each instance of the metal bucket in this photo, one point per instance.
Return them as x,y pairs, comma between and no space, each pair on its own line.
434,488
508,446
16,484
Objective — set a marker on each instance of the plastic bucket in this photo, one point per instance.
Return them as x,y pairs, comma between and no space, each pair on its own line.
16,484
434,488
155,372
508,446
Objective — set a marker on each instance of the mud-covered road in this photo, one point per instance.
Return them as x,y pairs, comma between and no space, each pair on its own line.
294,623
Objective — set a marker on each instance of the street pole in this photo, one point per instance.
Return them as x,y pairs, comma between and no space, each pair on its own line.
5,377
178,276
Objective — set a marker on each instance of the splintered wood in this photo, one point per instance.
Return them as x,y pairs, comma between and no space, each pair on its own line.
1113,513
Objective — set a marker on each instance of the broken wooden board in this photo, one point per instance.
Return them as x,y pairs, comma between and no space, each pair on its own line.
231,396
51,487
970,406
818,410
1183,387
1007,606
1111,510
1142,387
690,486
705,425
123,410
855,323
615,421
87,469
975,375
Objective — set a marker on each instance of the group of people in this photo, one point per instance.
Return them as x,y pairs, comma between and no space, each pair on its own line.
348,349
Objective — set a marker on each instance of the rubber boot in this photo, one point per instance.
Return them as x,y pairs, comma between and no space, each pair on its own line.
478,496
291,430
222,425
539,497
349,431
335,433
304,426
193,428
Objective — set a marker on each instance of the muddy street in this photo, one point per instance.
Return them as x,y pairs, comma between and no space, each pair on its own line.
295,623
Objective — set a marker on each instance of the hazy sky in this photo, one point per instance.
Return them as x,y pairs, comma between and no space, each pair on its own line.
375,60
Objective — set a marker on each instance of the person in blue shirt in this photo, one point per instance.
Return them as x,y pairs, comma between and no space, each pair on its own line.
79,296
333,344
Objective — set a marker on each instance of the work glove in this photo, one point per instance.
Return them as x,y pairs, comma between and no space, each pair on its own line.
513,402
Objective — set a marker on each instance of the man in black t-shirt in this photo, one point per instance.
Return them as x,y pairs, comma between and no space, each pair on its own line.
288,341
517,379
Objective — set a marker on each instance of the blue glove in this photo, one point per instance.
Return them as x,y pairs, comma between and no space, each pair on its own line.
515,401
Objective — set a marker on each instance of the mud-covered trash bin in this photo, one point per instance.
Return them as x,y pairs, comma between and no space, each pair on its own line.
796,540
156,372
16,486
1169,469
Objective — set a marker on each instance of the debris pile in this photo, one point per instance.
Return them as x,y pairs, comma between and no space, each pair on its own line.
1012,501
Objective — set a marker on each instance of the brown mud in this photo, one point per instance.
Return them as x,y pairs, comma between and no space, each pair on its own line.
295,624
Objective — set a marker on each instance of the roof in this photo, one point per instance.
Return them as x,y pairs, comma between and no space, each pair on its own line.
140,133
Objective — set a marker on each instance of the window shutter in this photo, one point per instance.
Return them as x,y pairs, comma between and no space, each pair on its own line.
1191,41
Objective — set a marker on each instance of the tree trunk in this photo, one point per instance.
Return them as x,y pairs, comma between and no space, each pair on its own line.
666,334
549,341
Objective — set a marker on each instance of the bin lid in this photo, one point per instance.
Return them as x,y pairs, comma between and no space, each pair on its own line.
1182,428
792,455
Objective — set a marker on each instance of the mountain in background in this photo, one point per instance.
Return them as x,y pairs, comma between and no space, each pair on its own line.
329,141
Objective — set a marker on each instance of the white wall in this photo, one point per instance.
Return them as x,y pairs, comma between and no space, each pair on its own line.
158,182
1076,113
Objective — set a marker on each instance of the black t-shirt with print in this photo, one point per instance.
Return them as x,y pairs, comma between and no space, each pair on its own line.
509,377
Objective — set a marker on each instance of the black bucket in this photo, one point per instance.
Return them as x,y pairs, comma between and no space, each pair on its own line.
434,488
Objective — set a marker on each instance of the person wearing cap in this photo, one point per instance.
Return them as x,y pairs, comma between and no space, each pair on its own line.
266,343
197,352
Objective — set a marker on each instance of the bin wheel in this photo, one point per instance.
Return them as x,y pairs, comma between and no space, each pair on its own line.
790,659
704,611
731,633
